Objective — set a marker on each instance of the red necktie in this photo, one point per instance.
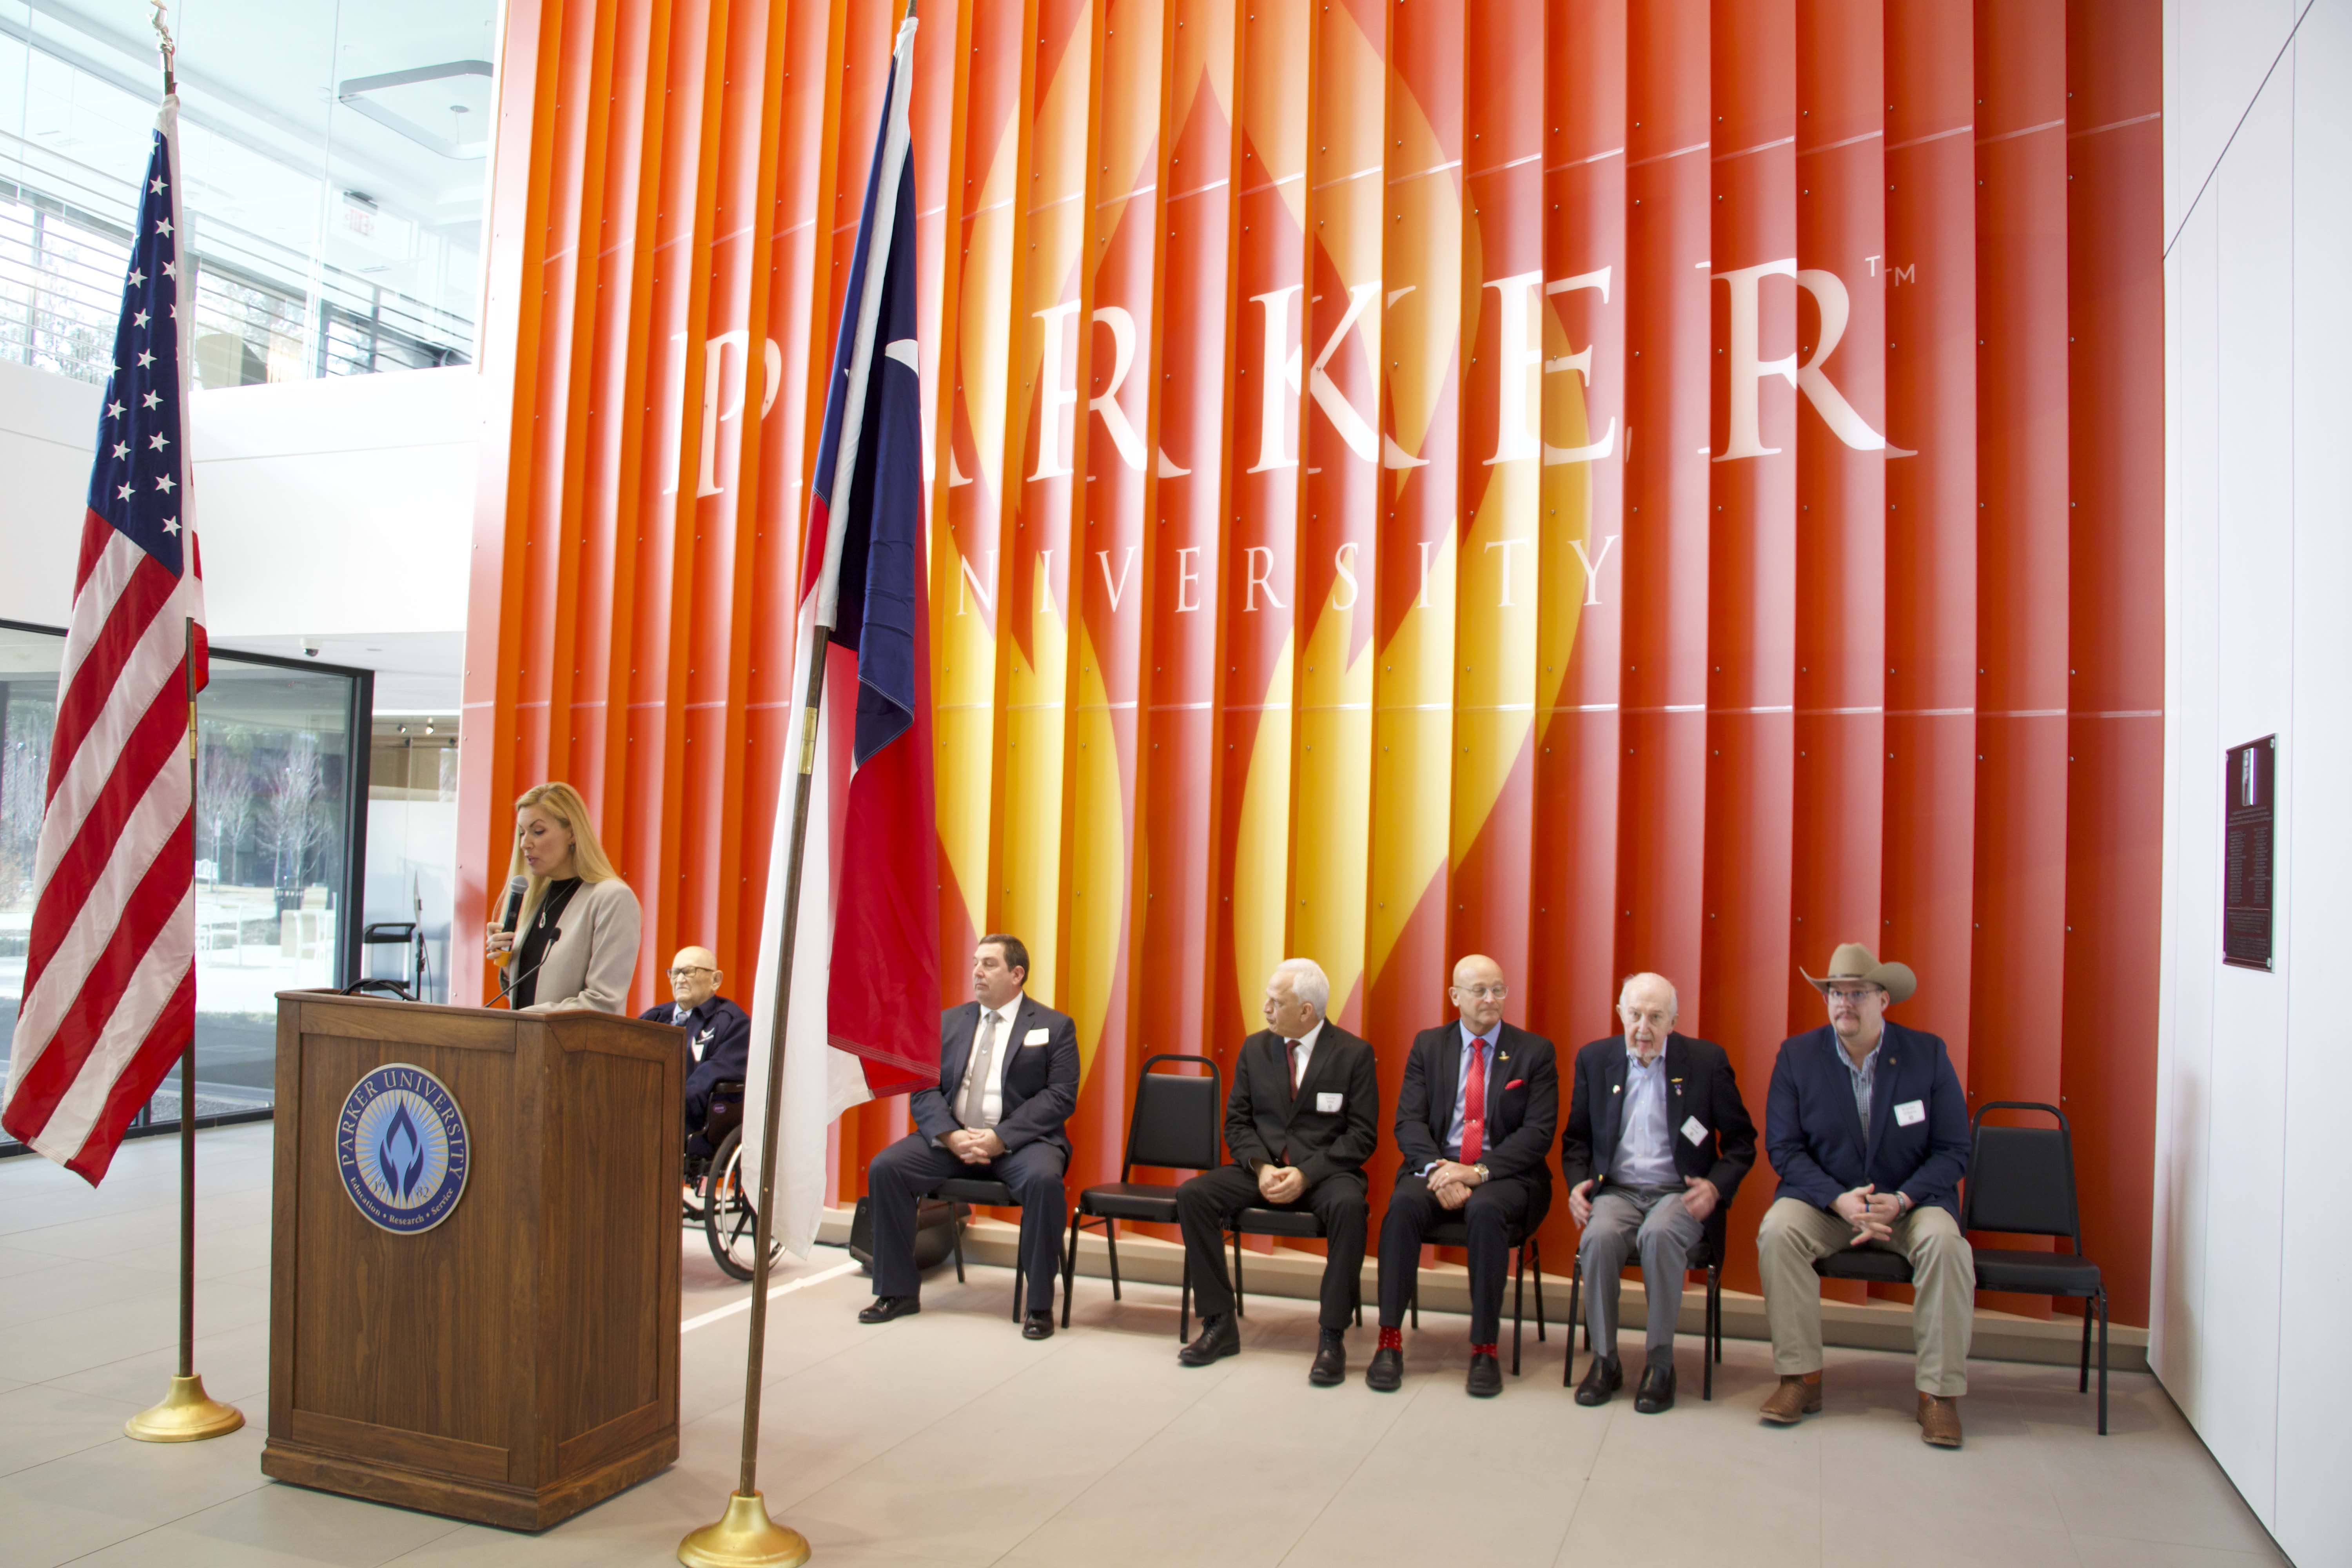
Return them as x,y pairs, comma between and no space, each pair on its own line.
1474,1111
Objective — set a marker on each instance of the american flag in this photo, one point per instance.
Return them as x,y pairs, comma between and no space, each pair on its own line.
109,997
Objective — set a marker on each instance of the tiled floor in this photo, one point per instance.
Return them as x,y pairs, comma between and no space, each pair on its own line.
947,1437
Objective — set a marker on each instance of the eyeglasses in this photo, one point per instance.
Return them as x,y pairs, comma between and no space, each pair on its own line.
1634,1015
1834,992
683,974
1484,993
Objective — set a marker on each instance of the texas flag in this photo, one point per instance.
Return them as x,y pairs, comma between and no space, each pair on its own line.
863,1021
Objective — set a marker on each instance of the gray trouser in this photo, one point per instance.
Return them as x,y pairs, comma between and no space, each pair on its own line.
1626,1221
1944,1282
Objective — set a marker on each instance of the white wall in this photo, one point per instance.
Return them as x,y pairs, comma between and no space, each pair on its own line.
339,512
2253,1237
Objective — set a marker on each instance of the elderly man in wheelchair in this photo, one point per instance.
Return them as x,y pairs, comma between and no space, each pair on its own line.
718,1056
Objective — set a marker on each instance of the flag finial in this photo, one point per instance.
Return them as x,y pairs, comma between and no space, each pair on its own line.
164,41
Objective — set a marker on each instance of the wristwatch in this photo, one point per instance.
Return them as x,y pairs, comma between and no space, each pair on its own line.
1481,1168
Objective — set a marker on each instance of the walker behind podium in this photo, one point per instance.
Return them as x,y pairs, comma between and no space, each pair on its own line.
474,1256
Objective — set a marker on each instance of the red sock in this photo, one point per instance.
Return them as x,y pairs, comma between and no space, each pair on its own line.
1391,1339
1487,1349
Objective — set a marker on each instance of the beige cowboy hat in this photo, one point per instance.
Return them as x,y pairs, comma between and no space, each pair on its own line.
1853,961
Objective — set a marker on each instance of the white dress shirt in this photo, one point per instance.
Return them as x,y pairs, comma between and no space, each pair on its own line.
992,1094
1302,1051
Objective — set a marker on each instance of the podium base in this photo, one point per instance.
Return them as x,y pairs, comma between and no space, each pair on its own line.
744,1538
187,1415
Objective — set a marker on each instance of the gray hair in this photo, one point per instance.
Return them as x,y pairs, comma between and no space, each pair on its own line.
1674,997
1308,983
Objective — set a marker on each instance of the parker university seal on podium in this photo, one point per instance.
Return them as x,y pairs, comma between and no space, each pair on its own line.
399,1143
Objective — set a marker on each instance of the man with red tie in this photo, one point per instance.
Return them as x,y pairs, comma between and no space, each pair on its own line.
1473,1120
1302,1117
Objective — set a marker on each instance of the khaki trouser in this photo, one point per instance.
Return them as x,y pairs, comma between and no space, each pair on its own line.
1943,1312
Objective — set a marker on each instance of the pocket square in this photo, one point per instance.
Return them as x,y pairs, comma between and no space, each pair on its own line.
1514,1083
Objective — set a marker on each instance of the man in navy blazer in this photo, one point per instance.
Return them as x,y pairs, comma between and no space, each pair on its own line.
1657,1142
1008,1080
718,1036
1473,1121
1867,1125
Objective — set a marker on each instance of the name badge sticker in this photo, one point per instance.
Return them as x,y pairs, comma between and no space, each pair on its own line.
1910,1113
1326,1102
1035,1037
1694,1130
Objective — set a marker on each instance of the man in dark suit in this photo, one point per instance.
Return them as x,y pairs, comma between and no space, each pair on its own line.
1869,1129
1008,1080
718,1035
1657,1144
1475,1121
1301,1119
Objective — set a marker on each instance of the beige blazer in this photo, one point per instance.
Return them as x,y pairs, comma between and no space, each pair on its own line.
595,950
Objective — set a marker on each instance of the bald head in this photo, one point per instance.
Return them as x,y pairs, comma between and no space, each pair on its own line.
1479,992
1647,1008
694,976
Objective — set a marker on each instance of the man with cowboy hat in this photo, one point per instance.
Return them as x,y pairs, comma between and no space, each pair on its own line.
1868,1129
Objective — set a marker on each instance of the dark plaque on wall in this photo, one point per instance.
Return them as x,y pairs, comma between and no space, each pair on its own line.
2246,863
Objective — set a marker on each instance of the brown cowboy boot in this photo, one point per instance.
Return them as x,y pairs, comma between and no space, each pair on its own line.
1796,1398
1939,1421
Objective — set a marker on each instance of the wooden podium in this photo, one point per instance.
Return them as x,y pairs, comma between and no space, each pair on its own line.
518,1361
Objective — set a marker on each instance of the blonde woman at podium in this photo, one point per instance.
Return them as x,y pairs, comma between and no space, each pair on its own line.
571,941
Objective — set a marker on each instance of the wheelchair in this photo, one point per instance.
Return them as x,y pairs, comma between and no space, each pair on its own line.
722,1203
723,1118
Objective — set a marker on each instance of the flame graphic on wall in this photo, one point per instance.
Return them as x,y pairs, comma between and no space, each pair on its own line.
401,1155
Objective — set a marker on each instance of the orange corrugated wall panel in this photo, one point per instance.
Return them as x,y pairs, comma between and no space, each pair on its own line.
1614,484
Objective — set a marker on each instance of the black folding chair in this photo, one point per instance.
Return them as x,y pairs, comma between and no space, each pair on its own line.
2022,1182
1707,1255
1304,1224
1172,1125
1454,1231
996,1194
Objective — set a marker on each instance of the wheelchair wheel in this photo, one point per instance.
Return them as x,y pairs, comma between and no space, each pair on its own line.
730,1222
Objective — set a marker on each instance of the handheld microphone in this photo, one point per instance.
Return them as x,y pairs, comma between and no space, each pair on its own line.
516,889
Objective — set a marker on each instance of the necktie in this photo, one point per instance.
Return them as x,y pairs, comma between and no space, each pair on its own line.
971,1112
1473,1109
1297,1067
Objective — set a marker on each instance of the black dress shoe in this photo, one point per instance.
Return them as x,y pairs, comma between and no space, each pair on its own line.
1602,1379
1330,1360
1486,1377
886,1308
1657,1390
1386,1374
1218,1338
1039,1326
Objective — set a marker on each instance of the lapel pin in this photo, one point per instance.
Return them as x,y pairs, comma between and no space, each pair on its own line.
1616,1088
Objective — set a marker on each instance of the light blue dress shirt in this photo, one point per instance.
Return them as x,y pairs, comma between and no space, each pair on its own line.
1487,1041
1646,1139
1866,1078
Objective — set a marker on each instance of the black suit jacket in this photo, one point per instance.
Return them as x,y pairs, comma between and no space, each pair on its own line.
1041,1081
1263,1121
1699,1083
1522,1101
1816,1139
722,1033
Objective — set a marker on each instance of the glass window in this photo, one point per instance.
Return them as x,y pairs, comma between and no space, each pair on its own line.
278,807
333,156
